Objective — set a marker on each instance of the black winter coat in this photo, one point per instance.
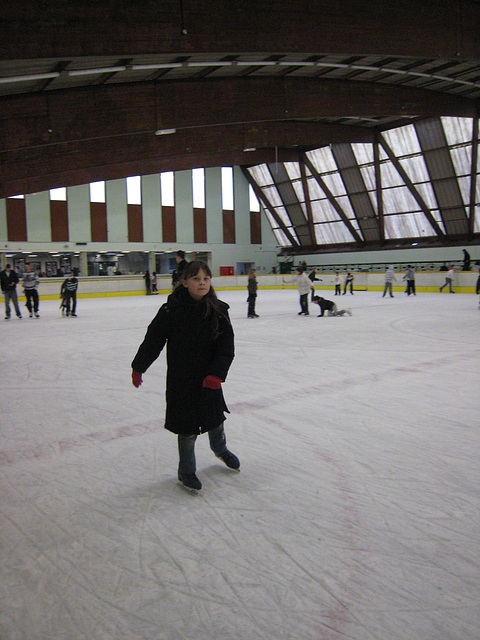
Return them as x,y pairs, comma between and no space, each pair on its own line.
192,354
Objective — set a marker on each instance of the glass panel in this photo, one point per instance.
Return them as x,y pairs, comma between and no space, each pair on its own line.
457,130
298,188
363,153
428,195
398,200
323,211
134,191
462,160
293,170
403,141
261,174
272,195
332,233
415,169
368,174
390,175
322,160
334,183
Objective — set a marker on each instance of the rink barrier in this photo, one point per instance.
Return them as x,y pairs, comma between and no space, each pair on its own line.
104,287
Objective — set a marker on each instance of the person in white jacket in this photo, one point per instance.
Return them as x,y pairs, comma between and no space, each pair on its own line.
30,284
304,285
449,280
389,280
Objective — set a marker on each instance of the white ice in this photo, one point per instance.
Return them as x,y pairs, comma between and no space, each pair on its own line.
356,514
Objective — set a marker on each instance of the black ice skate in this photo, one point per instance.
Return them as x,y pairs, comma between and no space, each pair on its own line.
190,482
230,460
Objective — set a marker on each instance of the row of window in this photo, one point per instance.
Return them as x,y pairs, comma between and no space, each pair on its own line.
167,190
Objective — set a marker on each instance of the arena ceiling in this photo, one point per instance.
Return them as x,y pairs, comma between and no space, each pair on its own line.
99,90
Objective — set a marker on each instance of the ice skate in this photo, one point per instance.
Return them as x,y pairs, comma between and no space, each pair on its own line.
190,482
230,460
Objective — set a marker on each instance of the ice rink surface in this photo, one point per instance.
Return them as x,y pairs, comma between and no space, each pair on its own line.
356,514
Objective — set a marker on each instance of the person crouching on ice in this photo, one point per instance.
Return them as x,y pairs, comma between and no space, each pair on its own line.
195,326
330,307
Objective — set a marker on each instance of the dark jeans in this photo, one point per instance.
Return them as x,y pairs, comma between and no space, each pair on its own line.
70,297
32,300
338,289
304,303
411,287
251,303
186,448
11,295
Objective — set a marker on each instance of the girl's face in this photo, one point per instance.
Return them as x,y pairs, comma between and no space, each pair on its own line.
199,285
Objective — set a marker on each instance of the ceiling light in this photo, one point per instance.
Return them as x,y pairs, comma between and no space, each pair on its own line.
94,72
30,78
256,63
165,132
250,149
153,66
209,64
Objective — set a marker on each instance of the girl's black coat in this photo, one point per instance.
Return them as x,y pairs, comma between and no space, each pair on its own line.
193,352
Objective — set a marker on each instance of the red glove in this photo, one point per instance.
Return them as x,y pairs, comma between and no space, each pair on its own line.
212,382
136,378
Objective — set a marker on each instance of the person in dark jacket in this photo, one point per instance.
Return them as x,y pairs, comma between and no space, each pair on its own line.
177,275
313,277
330,307
9,281
252,293
195,326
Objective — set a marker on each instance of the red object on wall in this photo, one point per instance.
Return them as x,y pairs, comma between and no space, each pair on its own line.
227,271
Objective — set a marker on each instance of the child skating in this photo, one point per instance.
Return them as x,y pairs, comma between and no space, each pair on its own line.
195,326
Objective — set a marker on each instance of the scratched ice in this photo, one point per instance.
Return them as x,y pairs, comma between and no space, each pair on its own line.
356,514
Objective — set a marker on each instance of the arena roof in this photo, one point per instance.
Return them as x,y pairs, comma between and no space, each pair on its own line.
304,96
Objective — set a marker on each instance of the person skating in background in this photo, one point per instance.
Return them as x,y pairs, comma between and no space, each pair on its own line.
252,293
9,281
466,260
304,285
195,326
348,283
177,274
389,280
313,278
148,282
449,280
154,284
30,284
410,278
69,293
477,286
330,307
338,284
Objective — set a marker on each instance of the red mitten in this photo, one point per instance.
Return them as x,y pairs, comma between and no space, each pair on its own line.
136,378
212,382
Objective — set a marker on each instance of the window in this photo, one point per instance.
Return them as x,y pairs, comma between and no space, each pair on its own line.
134,190
97,191
227,189
58,194
254,203
198,187
167,188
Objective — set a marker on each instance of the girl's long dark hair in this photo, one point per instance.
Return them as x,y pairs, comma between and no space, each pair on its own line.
210,299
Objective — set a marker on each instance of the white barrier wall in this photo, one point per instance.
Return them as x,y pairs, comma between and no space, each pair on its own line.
464,282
